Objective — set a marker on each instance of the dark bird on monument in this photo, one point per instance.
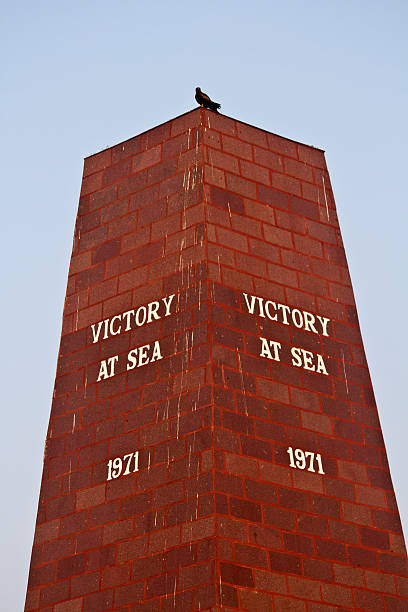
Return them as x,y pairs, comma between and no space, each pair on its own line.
206,101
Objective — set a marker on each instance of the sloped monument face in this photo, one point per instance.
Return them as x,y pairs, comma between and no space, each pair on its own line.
214,442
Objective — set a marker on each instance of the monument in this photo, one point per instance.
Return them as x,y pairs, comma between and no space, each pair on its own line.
214,442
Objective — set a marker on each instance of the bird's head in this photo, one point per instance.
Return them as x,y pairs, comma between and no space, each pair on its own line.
198,90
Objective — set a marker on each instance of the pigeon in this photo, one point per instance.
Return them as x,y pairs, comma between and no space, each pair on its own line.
204,100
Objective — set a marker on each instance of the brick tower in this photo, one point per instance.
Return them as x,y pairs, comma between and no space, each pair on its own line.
213,442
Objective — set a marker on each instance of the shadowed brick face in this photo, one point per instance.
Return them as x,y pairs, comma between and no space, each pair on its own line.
214,513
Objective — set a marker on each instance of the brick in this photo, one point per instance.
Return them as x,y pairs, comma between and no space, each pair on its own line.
284,604
116,172
46,531
98,601
370,496
236,147
264,536
386,520
132,184
282,562
102,197
362,557
256,448
236,574
90,497
314,568
70,566
54,593
202,528
91,183
259,211
303,207
97,162
328,549
251,264
395,605
198,574
245,509
260,491
312,156
232,239
221,160
214,176
303,588
275,473
246,225
278,236
396,564
257,602
160,585
74,605
255,172
299,169
374,538
273,197
351,576
337,595
377,581
298,543
146,158
41,575
126,149
286,183
325,506
241,186
273,391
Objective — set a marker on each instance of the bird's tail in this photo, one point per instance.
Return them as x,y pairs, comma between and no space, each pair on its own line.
215,106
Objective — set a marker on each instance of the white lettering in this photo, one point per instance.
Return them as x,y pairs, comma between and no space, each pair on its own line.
251,307
152,309
126,320
297,318
268,314
143,357
309,322
324,321
321,368
96,335
266,352
127,315
118,330
105,334
103,370
308,360
167,302
302,319
296,356
156,351
141,309
285,310
132,359
261,310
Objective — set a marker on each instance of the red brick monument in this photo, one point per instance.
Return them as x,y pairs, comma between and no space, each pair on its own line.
214,442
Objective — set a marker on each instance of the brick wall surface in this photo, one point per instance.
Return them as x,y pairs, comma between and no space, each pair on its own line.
216,213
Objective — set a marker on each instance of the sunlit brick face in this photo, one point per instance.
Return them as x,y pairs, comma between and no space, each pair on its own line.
214,442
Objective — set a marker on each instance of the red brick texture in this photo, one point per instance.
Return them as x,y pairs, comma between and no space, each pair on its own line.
216,515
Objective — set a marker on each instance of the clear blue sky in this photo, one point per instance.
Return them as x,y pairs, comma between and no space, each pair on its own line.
79,76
